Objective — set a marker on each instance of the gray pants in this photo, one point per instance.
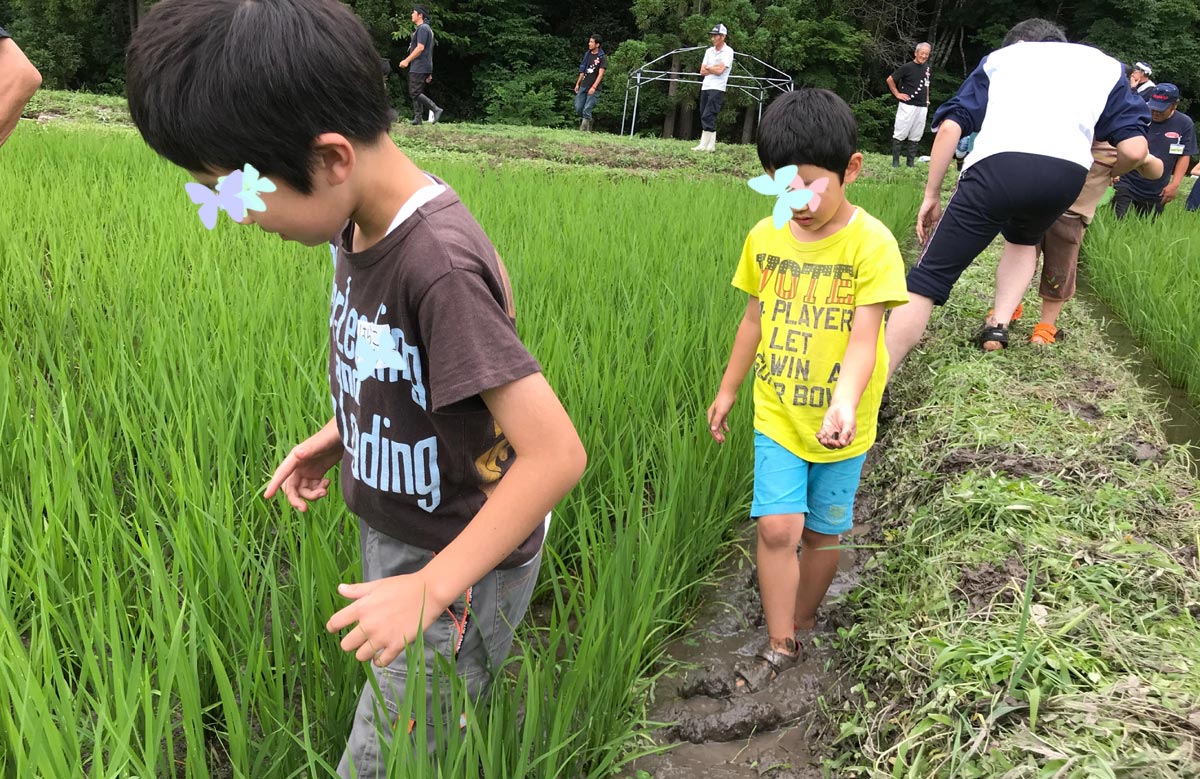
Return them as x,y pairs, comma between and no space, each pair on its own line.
474,635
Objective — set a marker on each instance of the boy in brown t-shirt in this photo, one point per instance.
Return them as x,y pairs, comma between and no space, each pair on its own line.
453,447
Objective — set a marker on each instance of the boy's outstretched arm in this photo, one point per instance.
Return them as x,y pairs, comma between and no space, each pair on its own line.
745,346
550,459
841,420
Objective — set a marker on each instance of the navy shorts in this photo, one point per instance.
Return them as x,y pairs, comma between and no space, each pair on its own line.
1013,194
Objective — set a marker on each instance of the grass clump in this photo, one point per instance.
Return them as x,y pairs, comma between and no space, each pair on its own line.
1031,607
1149,272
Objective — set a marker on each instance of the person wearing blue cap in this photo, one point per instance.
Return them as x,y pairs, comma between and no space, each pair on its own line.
1172,138
19,79
718,59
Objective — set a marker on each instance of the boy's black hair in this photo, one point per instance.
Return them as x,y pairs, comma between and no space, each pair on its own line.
1035,31
423,11
596,38
216,84
808,127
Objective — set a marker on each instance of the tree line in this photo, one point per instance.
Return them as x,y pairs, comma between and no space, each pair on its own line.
505,61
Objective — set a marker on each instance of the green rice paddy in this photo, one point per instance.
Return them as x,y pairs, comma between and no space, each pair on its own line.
161,620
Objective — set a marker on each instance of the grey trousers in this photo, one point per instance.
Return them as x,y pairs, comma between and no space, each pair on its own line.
474,635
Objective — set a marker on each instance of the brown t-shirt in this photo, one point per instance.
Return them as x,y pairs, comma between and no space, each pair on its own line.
420,324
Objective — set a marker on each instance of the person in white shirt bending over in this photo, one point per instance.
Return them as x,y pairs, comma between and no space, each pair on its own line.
718,59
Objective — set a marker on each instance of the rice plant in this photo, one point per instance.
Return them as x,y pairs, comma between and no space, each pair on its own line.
161,619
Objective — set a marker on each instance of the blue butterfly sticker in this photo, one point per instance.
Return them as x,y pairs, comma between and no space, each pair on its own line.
780,186
235,193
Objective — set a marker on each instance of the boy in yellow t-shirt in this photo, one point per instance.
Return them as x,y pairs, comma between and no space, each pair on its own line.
820,274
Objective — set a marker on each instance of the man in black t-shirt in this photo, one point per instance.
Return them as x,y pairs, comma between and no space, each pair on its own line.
420,64
19,79
1172,138
910,86
587,85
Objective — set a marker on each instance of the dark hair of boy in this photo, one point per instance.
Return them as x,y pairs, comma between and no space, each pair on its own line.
1034,31
596,38
215,84
423,11
808,127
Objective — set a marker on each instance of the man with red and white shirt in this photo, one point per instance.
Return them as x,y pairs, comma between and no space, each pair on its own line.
19,79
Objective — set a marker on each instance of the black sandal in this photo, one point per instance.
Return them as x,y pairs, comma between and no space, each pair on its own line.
992,334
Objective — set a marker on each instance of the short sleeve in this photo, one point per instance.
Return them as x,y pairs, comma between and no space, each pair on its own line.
425,36
897,76
4,33
470,341
1189,139
1125,115
968,107
603,62
746,277
880,272
727,57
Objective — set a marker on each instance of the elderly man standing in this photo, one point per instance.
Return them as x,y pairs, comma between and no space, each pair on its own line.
718,59
19,79
910,86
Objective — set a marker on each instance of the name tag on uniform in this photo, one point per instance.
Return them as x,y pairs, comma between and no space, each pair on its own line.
1176,148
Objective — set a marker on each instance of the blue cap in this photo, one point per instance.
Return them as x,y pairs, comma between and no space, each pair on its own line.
1163,97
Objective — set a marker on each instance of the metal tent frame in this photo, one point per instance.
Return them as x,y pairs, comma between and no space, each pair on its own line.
756,87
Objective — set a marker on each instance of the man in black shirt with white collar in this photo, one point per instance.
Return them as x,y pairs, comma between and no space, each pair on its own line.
910,86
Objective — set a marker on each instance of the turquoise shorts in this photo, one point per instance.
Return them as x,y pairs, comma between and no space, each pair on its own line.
787,484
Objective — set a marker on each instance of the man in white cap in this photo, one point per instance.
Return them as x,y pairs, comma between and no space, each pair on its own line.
1139,80
718,59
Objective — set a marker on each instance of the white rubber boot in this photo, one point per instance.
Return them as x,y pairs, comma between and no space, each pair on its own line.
712,141
706,139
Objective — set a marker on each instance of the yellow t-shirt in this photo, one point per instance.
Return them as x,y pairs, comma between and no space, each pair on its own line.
807,294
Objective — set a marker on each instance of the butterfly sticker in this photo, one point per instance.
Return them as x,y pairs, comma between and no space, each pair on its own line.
235,193
253,185
781,187
816,187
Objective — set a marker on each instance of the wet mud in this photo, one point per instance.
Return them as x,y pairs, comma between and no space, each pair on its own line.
718,730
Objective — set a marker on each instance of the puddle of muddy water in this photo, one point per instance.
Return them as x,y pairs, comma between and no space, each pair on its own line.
723,733
1182,423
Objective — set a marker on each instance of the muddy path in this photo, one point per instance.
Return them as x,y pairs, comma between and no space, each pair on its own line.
719,732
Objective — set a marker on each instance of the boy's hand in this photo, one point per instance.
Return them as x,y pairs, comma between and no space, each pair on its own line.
839,427
718,414
302,472
927,217
390,613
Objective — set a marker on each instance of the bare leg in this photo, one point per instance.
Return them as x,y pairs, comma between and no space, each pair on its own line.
1051,309
779,573
1013,274
905,326
818,566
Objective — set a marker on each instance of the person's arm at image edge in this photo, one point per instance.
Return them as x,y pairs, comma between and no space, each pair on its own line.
19,79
